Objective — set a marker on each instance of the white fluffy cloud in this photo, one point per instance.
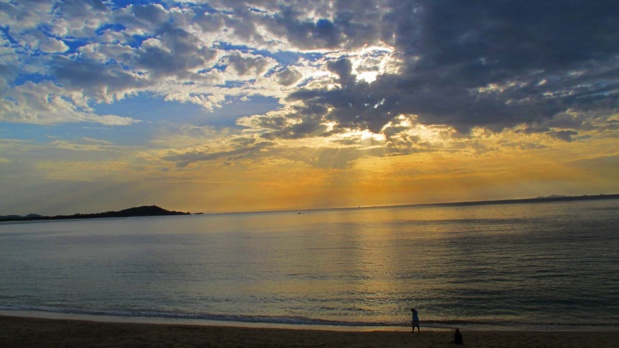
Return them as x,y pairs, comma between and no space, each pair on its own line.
46,103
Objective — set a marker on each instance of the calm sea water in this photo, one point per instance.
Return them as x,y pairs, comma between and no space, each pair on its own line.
543,265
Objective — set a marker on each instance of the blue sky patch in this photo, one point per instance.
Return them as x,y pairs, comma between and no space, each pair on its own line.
36,78
150,108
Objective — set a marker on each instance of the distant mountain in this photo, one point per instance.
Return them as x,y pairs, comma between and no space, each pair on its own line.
33,216
151,210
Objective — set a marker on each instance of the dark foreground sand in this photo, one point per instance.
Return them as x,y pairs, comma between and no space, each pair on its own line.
30,332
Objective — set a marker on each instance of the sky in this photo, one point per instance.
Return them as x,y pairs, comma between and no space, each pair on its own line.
226,105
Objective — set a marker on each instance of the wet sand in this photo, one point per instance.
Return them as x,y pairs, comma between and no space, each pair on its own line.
35,332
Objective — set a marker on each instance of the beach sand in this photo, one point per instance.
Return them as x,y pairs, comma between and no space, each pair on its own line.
34,332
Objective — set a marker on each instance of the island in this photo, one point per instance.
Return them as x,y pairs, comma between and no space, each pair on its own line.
151,210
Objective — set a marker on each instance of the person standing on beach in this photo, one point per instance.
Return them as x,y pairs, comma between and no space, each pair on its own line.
415,321
458,337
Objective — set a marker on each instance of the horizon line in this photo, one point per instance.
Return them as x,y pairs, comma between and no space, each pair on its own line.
540,199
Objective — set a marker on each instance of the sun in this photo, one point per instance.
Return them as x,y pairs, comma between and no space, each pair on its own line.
371,62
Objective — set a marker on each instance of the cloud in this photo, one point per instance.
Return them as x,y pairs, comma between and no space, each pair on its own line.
77,18
565,135
142,19
46,103
96,80
39,41
445,64
25,15
318,26
209,22
239,149
246,65
288,77
174,52
482,65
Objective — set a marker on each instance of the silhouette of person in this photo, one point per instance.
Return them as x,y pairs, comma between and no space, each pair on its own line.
458,337
415,320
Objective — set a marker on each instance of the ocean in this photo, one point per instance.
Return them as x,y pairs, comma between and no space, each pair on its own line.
551,265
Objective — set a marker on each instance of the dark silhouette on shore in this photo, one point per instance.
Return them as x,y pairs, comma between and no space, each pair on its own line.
152,210
458,338
415,320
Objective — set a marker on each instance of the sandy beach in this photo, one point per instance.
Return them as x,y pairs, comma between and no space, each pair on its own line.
35,332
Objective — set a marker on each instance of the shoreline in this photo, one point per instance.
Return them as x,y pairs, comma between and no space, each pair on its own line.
343,327
17,331
31,314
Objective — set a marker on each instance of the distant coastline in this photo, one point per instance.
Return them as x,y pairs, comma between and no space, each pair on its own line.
151,210
541,199
154,210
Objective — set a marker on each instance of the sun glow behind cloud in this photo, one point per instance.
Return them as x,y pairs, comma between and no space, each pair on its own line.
371,62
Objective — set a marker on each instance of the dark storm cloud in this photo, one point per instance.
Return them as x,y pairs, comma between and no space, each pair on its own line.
356,104
305,25
517,35
343,26
306,34
343,69
492,64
